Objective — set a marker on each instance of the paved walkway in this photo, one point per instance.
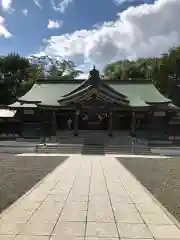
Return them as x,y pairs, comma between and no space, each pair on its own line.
87,197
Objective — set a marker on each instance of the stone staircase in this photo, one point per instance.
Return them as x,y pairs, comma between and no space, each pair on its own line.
59,148
92,142
93,145
91,149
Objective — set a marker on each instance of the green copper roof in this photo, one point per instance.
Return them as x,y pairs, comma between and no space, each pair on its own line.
136,102
139,94
146,92
60,93
47,92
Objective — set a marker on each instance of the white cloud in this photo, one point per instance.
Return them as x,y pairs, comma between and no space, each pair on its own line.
118,2
3,31
37,3
54,24
83,76
25,12
7,6
143,31
60,5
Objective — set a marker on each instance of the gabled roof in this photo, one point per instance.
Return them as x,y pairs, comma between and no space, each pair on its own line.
94,87
57,93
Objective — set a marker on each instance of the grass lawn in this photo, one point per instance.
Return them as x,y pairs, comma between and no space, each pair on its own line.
161,177
19,174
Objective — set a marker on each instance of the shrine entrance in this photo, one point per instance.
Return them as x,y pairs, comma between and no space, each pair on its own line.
90,120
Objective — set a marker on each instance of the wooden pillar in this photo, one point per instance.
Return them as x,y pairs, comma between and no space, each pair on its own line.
150,117
41,120
76,123
166,125
110,127
53,123
21,122
133,125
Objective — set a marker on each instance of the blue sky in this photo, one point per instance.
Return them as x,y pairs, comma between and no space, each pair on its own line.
65,28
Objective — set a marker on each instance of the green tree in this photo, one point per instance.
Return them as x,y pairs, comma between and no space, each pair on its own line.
15,64
54,68
163,70
13,72
124,70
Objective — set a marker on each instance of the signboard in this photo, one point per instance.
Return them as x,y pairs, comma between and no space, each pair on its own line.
121,115
140,115
29,111
159,114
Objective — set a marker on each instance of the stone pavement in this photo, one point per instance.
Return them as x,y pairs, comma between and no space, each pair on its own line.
91,198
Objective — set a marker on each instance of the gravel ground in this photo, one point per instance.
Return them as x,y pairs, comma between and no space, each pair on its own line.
19,174
161,177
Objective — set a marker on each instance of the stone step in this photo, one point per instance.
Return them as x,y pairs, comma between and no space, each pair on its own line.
91,149
111,146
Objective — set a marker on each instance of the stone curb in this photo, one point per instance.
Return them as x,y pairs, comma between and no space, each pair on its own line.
168,214
5,211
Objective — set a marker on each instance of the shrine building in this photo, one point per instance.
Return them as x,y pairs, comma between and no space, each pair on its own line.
92,104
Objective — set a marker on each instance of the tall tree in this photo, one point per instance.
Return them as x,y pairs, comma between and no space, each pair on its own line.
13,72
163,70
15,64
50,67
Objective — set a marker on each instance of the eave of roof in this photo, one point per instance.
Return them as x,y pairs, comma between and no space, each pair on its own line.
17,105
5,113
113,94
171,105
138,103
76,94
83,93
49,104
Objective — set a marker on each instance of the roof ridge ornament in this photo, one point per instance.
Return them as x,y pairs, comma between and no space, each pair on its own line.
94,77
